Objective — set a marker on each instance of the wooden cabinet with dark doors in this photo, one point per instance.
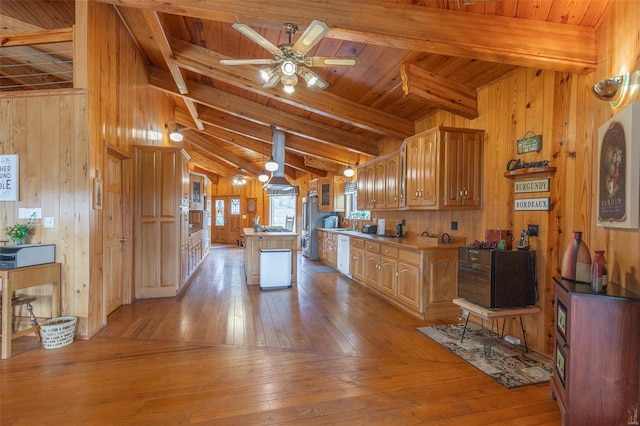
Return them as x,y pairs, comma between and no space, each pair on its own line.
597,348
444,169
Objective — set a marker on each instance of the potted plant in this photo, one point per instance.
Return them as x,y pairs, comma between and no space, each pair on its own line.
19,232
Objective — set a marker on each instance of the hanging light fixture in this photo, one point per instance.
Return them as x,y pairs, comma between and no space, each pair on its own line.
271,165
263,177
350,171
174,132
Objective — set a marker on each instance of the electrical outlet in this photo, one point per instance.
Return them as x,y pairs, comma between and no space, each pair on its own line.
48,222
454,226
533,230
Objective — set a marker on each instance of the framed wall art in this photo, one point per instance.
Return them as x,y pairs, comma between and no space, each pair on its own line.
9,177
618,179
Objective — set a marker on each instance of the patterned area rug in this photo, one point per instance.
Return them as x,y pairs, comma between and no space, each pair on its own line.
508,364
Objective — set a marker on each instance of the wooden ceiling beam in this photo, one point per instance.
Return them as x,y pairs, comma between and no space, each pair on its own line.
210,163
260,147
214,177
218,151
37,37
207,62
294,143
241,107
492,38
442,92
159,35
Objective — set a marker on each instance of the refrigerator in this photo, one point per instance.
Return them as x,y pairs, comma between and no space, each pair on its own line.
312,219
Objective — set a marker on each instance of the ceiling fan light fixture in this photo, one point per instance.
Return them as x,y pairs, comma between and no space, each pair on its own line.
288,68
266,74
309,77
271,165
289,82
239,180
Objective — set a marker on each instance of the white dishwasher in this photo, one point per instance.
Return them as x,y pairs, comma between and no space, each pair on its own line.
275,268
344,259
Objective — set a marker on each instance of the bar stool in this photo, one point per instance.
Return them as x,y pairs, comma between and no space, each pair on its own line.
20,300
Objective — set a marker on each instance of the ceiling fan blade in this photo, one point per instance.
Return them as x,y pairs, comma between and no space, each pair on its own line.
256,37
312,35
247,61
331,61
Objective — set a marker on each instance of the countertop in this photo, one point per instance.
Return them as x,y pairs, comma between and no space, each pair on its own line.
249,232
411,243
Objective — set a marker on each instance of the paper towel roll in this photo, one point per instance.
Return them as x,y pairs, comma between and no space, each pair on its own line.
380,226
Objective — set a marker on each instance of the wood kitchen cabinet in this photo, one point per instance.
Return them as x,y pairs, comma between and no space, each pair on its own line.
597,347
161,220
378,184
331,194
409,279
356,265
424,282
444,169
331,249
255,241
321,245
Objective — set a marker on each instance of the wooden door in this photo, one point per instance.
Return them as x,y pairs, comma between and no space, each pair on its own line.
115,236
227,219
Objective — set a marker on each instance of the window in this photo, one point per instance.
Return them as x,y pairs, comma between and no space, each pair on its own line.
281,206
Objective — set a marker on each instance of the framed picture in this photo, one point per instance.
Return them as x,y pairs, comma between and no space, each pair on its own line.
618,173
561,367
561,319
9,177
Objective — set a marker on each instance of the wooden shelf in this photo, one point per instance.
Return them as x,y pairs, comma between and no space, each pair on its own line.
530,173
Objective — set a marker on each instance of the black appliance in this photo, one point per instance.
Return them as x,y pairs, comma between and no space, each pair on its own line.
497,278
369,229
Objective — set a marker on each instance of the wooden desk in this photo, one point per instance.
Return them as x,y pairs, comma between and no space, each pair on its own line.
492,315
21,278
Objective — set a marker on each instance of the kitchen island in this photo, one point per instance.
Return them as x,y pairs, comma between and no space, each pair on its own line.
255,241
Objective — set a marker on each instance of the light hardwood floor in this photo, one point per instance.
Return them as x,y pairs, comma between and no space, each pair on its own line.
324,352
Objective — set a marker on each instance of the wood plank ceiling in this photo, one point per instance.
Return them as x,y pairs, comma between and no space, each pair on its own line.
416,57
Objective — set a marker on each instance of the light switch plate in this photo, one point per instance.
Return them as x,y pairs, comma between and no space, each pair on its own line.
48,222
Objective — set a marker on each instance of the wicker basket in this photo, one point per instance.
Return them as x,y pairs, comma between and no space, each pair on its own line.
58,332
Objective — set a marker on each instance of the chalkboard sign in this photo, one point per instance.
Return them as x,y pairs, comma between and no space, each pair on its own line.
530,144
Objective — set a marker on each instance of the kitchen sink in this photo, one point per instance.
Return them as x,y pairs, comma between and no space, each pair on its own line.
390,236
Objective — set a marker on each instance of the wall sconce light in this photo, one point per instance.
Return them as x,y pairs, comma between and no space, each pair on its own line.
350,171
271,165
612,89
174,132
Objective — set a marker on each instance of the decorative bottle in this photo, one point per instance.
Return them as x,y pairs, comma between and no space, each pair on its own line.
576,261
598,272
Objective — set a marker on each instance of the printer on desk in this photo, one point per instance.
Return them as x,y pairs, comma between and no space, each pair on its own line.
12,257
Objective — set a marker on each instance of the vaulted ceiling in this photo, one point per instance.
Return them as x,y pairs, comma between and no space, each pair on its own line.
415,57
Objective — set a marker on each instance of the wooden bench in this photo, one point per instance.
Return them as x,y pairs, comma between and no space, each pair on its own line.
493,315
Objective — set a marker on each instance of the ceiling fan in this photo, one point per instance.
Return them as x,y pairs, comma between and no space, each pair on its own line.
289,60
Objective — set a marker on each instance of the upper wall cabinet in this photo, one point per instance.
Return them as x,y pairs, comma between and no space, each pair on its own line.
444,169
198,193
379,184
330,193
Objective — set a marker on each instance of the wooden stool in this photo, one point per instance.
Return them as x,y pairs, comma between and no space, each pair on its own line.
26,300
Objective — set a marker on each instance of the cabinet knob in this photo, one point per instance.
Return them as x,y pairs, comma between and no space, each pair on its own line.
123,240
